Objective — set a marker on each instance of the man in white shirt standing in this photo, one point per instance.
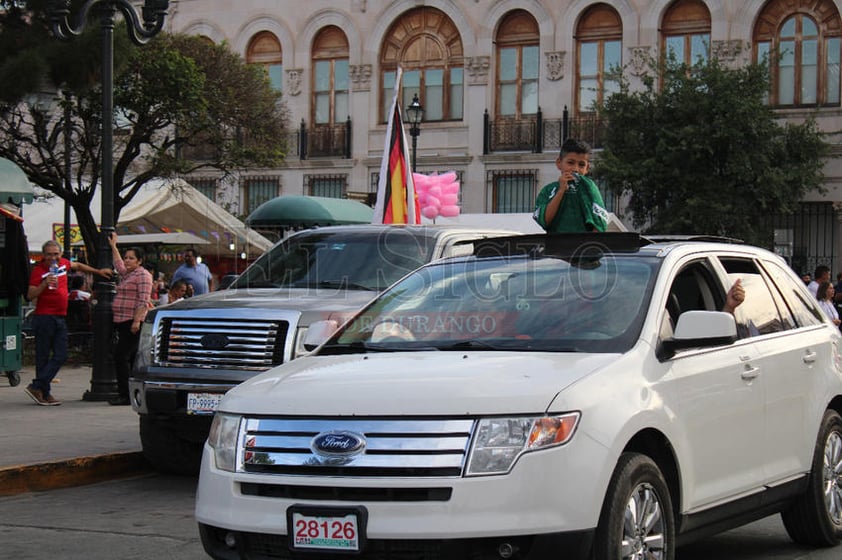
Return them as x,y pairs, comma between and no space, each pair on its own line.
822,274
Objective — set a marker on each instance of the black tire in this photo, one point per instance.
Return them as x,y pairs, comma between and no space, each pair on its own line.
166,451
816,517
14,378
637,486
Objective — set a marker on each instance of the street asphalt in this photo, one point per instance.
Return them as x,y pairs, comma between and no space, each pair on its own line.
79,442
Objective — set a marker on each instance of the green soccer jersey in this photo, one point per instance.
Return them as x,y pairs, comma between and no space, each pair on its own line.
581,209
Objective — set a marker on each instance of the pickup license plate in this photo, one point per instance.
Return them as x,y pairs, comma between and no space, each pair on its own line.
326,529
203,403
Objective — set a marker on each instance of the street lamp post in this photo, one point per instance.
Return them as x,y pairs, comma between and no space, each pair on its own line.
68,131
414,112
103,378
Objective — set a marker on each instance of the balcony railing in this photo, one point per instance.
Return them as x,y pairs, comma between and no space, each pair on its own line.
328,140
536,135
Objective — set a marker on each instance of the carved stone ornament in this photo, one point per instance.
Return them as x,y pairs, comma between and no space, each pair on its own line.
555,65
837,207
477,67
728,51
639,58
293,82
358,5
360,77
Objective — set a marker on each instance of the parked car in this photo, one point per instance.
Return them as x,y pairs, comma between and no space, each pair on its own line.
192,352
576,396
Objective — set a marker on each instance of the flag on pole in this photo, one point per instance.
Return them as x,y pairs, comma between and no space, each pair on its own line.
397,202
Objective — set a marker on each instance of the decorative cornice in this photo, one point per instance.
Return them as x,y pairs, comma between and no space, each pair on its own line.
477,67
555,65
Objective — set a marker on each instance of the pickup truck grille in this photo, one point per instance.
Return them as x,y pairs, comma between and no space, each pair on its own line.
392,447
241,344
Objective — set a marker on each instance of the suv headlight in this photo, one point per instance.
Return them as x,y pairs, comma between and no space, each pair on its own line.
498,442
223,438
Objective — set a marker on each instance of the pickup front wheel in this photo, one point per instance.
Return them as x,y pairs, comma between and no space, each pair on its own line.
636,522
168,448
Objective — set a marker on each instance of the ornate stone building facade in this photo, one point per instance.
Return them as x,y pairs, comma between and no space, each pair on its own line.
501,83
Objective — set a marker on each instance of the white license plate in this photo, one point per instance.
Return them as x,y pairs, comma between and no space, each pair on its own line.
335,531
203,403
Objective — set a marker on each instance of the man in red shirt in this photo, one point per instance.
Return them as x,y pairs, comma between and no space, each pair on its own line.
48,287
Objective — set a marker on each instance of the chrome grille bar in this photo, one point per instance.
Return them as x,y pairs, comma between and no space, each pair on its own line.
393,447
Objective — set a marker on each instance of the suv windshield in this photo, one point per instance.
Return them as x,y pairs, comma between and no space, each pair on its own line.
513,303
362,260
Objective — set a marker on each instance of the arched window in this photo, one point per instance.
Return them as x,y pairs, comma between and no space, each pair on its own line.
685,32
517,65
801,41
599,43
427,46
330,76
265,49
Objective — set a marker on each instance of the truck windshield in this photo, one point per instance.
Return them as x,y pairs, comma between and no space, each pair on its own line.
511,303
363,260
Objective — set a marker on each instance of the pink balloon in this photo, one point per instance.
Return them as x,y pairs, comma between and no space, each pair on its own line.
422,198
449,199
433,201
434,190
430,212
448,177
449,211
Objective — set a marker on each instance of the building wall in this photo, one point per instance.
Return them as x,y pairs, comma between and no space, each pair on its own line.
444,146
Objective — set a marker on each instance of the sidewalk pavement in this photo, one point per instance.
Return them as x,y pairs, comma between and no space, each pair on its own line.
79,442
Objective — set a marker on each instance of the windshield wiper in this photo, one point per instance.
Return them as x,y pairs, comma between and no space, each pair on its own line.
337,284
474,344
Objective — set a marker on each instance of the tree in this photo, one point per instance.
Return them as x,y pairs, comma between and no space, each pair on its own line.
176,93
700,151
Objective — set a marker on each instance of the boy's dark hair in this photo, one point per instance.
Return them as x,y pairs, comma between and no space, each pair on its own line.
820,271
575,146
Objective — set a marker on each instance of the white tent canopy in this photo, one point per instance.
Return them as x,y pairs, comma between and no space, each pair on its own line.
159,207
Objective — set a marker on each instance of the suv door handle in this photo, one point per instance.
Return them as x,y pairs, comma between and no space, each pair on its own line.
809,357
750,373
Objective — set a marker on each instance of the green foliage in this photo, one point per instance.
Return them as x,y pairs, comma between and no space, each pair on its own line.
705,154
174,93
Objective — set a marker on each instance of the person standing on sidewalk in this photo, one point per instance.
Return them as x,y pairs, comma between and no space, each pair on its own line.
130,306
48,287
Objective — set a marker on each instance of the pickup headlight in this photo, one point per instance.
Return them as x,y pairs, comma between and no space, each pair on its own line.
298,349
145,346
223,437
500,441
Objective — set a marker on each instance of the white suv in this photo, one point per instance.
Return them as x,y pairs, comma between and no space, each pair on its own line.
576,396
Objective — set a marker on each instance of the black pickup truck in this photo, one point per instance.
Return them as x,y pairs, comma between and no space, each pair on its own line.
193,351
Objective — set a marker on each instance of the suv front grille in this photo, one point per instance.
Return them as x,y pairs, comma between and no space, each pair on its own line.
393,447
241,344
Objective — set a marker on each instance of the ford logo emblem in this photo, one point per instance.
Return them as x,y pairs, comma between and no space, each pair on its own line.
214,341
338,444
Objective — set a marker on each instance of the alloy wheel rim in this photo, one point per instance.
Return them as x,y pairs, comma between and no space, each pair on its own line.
832,475
643,526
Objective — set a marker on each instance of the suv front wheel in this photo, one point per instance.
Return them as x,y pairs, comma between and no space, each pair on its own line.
637,520
816,517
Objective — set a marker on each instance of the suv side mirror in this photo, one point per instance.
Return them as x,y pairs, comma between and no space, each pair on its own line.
700,329
318,333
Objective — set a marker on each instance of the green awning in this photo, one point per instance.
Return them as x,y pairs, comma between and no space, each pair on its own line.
308,211
14,185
